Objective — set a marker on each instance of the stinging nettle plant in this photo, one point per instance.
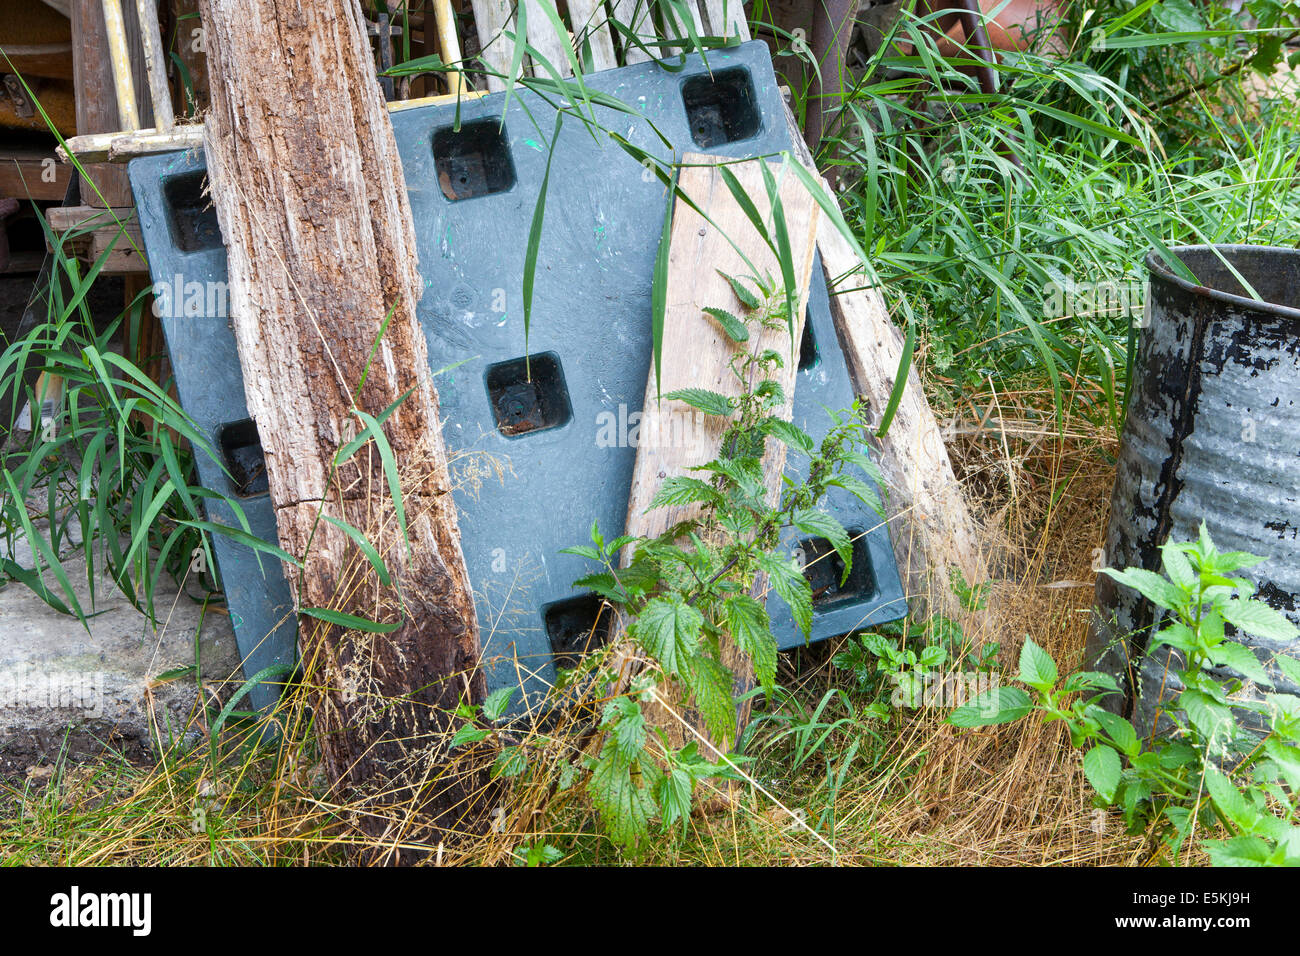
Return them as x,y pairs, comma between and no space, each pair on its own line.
686,593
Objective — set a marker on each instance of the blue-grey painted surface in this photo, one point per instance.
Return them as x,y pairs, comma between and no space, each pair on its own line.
523,497
1213,435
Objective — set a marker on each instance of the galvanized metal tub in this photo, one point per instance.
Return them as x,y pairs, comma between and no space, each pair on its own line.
1212,434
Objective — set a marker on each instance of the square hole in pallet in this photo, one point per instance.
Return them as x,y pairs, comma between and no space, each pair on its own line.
577,625
474,161
241,449
721,108
823,568
193,217
528,395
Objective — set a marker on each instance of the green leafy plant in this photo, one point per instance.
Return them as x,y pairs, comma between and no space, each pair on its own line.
1208,770
686,593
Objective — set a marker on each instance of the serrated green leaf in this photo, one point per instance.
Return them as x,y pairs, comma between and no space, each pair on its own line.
1229,799
1151,586
791,586
788,434
734,327
1102,768
711,685
1118,729
677,490
498,702
625,805
510,762
822,525
1037,669
1258,619
668,630
743,293
1000,705
1242,660
711,403
468,734
748,624
674,792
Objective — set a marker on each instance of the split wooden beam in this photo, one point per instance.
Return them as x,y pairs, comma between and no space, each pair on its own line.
697,354
309,191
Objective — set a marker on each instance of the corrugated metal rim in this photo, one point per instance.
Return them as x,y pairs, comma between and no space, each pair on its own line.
1156,266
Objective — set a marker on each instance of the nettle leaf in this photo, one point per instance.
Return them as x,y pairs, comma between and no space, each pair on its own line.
668,630
1150,585
1037,669
625,805
604,584
1242,660
677,490
711,686
497,702
711,403
788,582
1258,619
1102,768
822,525
789,435
748,623
743,292
673,791
1000,705
511,762
629,727
468,734
860,490
733,326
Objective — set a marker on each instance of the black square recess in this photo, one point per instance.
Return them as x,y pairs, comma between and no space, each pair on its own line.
474,161
721,108
193,217
241,449
528,395
575,626
824,569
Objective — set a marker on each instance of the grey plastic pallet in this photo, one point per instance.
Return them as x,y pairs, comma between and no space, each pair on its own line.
566,439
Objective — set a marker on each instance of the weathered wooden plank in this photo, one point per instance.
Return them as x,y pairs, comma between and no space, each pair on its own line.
543,38
588,19
635,15
322,255
726,18
492,18
697,354
31,175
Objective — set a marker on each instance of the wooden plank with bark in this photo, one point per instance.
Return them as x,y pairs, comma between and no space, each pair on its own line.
697,354
309,191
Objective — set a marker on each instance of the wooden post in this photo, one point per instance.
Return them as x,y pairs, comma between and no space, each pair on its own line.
309,191
696,354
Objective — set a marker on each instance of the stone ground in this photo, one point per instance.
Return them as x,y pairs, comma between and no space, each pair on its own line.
86,688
